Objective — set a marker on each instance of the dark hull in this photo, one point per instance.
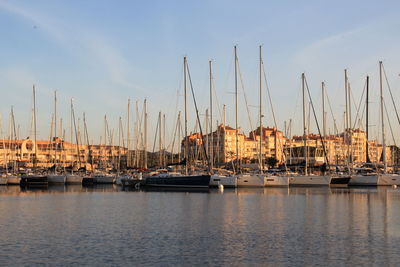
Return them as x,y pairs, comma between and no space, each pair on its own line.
340,180
34,181
195,181
87,181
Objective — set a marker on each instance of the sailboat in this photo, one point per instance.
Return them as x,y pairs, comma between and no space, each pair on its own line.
243,179
34,179
13,178
270,180
216,179
178,180
385,178
55,178
365,176
73,178
307,179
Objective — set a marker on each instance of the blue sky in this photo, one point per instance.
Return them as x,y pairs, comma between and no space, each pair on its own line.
101,53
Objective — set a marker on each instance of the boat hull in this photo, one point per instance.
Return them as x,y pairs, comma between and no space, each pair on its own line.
88,180
278,181
73,179
389,179
195,181
104,179
3,180
13,180
56,179
250,180
309,180
364,180
340,181
34,181
226,181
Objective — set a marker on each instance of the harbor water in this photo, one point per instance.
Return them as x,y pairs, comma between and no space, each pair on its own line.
102,226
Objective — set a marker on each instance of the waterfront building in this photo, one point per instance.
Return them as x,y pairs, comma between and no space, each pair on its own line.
61,153
344,149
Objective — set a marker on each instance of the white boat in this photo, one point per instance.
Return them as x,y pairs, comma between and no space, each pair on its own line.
309,180
275,180
104,179
250,180
364,180
226,181
56,179
73,179
3,180
389,179
13,180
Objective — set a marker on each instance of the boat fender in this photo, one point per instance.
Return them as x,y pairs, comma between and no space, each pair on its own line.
137,186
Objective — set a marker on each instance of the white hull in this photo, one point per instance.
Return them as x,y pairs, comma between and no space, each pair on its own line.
364,180
14,180
277,181
104,179
250,180
309,180
3,181
389,179
73,179
226,181
56,179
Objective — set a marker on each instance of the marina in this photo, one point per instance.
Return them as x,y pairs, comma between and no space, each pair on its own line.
199,133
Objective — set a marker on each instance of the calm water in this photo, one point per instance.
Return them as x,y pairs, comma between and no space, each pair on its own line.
107,226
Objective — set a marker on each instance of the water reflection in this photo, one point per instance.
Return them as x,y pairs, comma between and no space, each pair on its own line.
75,225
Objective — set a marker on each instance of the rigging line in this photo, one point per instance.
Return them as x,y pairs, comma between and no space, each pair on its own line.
216,99
245,96
391,95
273,114
174,136
390,125
316,122
297,103
333,116
269,96
140,120
359,104
197,114
155,138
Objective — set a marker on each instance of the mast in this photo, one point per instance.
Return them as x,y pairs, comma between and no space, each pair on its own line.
323,112
211,148
366,121
383,119
76,133
179,135
34,125
206,130
128,129
15,140
119,146
55,130
145,133
159,140
260,117
163,147
236,114
304,127
186,119
350,127
87,141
